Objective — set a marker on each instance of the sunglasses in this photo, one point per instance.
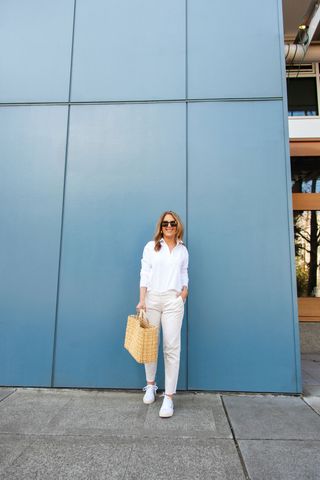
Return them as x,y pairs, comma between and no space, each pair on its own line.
173,223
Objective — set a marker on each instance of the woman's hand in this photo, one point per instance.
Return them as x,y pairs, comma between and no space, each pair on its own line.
184,297
141,306
183,294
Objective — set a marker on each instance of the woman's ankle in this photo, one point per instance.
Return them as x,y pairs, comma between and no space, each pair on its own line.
170,395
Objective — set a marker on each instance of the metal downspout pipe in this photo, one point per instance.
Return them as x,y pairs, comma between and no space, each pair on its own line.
297,54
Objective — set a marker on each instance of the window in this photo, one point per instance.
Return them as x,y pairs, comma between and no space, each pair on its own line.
305,174
302,96
307,249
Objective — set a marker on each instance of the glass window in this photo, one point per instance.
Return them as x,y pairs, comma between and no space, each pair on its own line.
302,96
307,251
305,174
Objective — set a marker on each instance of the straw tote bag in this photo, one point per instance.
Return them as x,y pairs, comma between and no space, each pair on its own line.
141,338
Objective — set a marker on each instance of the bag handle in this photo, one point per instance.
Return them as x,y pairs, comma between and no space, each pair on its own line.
142,313
143,317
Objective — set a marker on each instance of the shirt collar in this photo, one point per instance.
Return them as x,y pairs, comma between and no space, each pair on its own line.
180,242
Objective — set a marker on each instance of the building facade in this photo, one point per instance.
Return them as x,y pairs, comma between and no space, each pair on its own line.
112,112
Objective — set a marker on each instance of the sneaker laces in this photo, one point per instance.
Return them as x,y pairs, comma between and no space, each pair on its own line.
167,400
155,388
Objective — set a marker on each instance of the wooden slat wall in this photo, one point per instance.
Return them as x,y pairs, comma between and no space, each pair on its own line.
309,309
305,148
306,201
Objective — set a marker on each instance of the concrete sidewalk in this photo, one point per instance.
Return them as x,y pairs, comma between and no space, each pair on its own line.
88,434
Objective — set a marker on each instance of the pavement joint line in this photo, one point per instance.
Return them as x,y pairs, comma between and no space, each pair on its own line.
138,437
259,394
315,411
279,439
7,396
242,462
128,436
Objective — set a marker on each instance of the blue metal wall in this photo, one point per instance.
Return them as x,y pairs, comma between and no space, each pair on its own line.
112,111
123,162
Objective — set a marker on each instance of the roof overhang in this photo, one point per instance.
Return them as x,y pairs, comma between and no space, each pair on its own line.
296,13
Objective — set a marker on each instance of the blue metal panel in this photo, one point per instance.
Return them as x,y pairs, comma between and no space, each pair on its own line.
126,164
127,50
35,50
31,171
241,315
233,49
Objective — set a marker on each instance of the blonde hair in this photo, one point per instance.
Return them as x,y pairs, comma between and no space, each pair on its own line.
158,233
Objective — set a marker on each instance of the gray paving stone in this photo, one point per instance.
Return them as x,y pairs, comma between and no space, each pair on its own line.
29,411
5,392
308,379
311,391
272,417
71,457
311,360
281,459
312,368
184,459
11,446
315,376
101,413
310,356
196,415
314,402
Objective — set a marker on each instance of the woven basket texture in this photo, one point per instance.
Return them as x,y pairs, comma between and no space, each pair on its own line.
141,339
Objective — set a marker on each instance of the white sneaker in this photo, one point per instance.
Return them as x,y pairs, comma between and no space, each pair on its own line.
167,407
150,395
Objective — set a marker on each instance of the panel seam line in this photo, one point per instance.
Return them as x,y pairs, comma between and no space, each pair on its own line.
287,167
62,210
142,102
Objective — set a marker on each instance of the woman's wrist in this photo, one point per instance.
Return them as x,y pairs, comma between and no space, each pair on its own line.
143,292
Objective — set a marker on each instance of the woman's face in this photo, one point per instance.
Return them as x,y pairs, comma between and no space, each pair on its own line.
168,229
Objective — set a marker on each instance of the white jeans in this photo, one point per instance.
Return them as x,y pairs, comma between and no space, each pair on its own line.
166,309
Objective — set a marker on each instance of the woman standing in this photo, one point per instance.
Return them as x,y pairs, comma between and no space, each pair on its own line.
163,292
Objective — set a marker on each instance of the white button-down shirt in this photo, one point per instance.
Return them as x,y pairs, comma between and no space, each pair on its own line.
162,271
